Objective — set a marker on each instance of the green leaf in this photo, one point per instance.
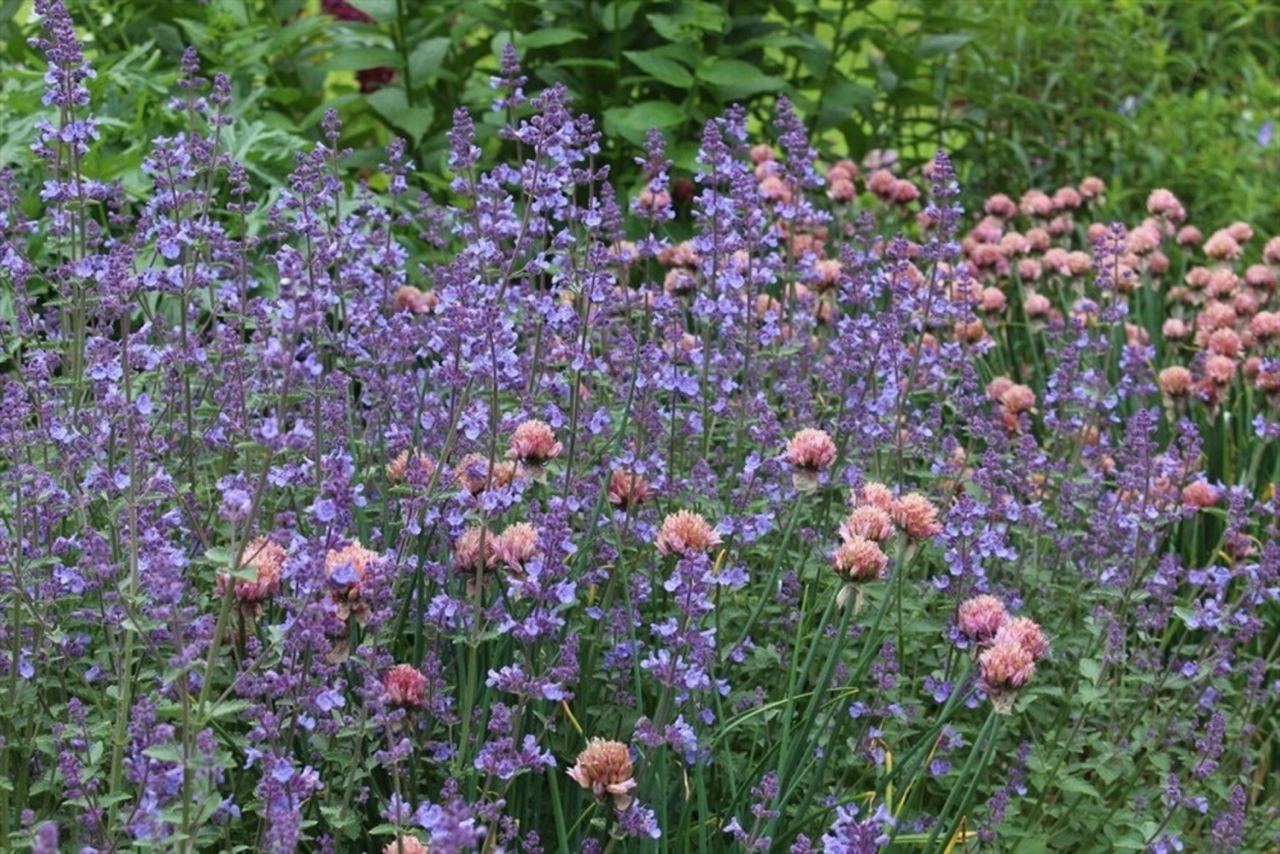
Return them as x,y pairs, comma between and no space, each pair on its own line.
1077,786
427,58
660,67
549,37
635,121
942,43
358,58
740,78
382,11
391,104
1090,669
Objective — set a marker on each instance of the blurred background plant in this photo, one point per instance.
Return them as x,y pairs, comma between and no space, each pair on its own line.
1025,92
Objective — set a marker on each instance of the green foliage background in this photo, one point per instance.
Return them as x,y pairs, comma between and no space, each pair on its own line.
1026,93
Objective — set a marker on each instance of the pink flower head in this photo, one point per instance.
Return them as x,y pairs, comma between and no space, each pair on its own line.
858,559
875,494
1222,246
811,449
1018,399
606,770
1035,203
1241,231
1165,204
627,489
517,544
1189,235
1000,206
1174,329
881,182
841,191
1219,370
980,617
472,473
345,569
417,464
1036,305
775,189
474,545
533,443
904,191
916,516
684,532
1261,277
1092,188
1027,633
1265,325
869,522
266,559
1225,342
1199,495
404,685
1175,381
1067,198
409,298
761,153
1003,669
406,845
1271,252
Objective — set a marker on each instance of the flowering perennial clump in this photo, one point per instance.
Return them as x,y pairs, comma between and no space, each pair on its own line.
456,507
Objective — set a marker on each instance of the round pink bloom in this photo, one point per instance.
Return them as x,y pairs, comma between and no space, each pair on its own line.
916,516
993,301
1056,259
1271,252
1199,494
627,489
472,473
266,559
858,559
1219,370
416,463
1027,633
651,202
844,168
517,544
811,449
997,387
1175,381
775,189
345,569
827,273
1173,328
1001,206
406,845
873,493
1014,243
1189,235
684,532
1038,238
1096,231
1003,669
1225,342
904,191
867,521
605,769
1261,277
1030,269
404,685
1163,203
1222,246
1036,203
1223,282
1241,231
980,617
881,183
474,545
1018,398
1092,188
1036,305
533,443
841,191
1265,325
761,153
1066,198
409,298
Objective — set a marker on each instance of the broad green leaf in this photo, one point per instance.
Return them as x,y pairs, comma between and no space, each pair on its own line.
741,78
660,67
390,103
358,58
635,121
427,58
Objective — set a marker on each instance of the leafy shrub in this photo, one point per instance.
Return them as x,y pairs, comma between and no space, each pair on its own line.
350,518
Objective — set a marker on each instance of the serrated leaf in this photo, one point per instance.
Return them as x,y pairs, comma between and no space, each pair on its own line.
660,67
